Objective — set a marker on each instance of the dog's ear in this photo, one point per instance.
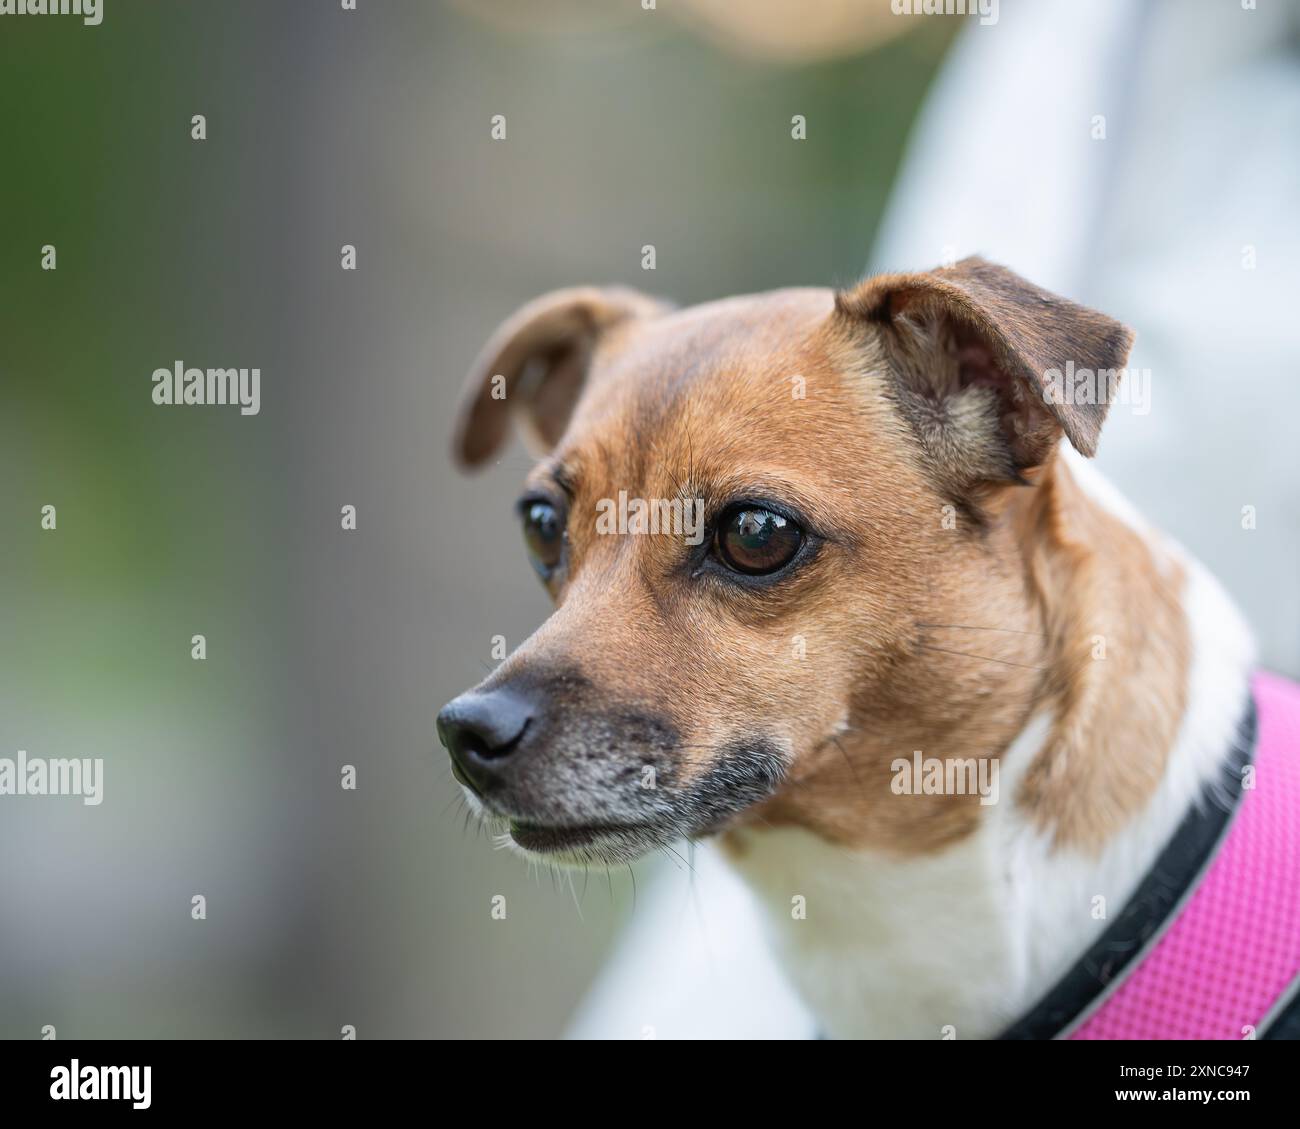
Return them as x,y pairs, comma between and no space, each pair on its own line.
534,366
981,362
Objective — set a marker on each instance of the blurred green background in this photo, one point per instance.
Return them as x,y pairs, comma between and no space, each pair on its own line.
324,127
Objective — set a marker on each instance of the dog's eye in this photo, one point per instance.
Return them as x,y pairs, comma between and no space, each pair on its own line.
544,534
757,541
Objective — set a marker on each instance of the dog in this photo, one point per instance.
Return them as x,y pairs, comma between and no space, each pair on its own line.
925,677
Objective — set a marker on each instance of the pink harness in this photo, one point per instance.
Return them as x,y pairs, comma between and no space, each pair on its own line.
1232,951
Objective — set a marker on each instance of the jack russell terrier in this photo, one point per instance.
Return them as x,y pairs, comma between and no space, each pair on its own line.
924,675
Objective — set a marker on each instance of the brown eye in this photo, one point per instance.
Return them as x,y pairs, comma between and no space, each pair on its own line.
757,541
544,535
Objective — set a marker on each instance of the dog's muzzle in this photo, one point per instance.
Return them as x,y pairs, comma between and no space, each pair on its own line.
569,772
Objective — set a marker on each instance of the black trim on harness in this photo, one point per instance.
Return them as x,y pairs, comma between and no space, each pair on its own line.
1147,912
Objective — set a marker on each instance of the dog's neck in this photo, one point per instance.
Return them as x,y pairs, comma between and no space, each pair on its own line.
958,940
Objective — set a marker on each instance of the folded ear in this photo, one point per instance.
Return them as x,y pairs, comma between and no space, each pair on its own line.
989,369
534,366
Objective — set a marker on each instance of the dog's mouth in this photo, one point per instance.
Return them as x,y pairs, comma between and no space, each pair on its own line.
564,839
611,812
545,838
589,842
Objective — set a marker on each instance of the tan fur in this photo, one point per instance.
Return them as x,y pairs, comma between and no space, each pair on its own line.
1027,330
1120,654
550,340
959,587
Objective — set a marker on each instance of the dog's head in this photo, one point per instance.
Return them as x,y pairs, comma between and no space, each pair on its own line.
760,519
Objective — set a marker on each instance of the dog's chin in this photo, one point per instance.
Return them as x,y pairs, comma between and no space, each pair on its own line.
584,844
572,843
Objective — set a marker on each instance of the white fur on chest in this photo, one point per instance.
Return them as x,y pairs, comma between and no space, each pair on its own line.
896,948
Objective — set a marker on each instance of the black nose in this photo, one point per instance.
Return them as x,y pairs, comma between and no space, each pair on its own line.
480,730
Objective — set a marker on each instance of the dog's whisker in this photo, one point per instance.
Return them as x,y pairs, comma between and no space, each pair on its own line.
576,903
669,850
847,760
982,658
976,627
